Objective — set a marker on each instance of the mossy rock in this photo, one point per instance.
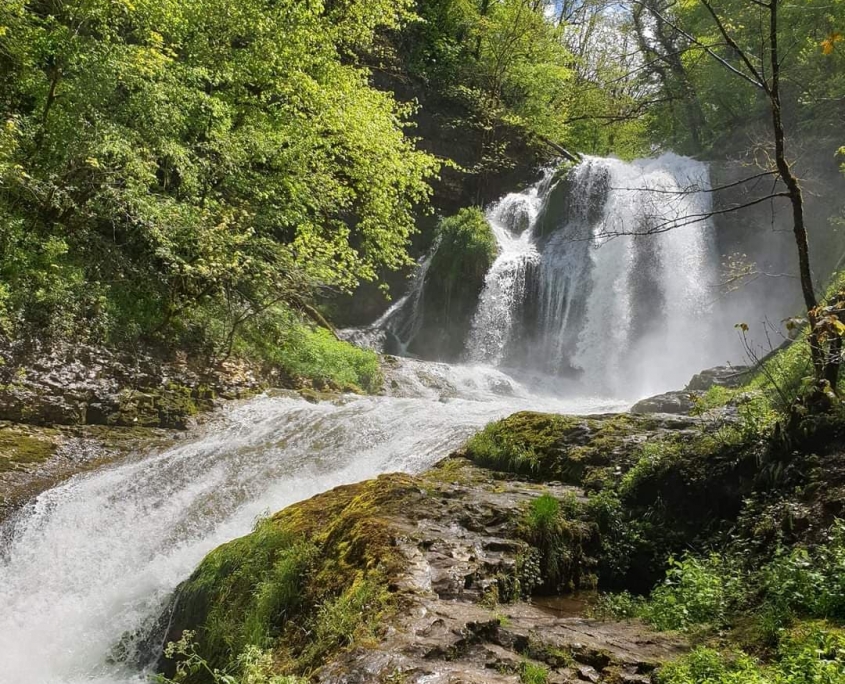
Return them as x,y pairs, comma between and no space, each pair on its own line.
306,582
466,250
556,447
20,450
170,407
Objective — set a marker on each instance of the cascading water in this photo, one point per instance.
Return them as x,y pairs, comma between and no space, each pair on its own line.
616,284
97,558
396,328
505,284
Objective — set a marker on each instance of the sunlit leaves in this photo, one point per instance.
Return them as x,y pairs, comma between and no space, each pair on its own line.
187,147
828,45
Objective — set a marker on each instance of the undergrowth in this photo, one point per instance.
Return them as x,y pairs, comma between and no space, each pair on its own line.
788,612
303,352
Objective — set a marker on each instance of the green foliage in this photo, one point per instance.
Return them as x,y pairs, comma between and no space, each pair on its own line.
262,575
805,582
163,158
466,248
563,542
812,67
352,615
619,606
812,653
253,666
302,351
306,583
711,666
697,591
533,673
504,62
494,448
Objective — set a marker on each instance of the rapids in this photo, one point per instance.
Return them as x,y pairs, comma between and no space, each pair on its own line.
98,557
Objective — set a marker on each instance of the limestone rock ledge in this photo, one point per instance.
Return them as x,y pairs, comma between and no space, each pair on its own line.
433,575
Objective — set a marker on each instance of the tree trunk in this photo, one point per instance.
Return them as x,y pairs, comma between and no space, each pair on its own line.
796,197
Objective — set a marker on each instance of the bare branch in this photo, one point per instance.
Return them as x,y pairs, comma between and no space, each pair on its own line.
761,82
725,63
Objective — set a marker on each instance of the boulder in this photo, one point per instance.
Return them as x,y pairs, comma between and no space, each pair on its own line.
677,403
720,376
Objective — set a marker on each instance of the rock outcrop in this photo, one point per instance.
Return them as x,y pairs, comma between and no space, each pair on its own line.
451,563
683,401
84,385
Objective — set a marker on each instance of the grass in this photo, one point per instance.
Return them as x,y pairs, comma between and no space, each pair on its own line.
308,355
533,673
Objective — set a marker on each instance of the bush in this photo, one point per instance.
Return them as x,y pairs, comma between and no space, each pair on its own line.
466,249
805,583
281,340
697,591
706,665
562,541
812,653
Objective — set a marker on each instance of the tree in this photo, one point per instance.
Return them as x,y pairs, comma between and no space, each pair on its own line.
726,45
163,159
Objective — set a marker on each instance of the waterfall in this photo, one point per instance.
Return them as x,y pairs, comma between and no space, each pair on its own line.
511,219
87,567
605,277
396,328
607,273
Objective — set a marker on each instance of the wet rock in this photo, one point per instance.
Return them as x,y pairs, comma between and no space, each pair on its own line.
720,376
86,385
678,403
448,540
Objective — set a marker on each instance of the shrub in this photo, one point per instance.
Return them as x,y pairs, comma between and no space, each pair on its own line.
621,606
803,582
466,250
697,591
708,666
561,541
812,653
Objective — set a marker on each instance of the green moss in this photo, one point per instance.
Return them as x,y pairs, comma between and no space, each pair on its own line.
171,407
554,447
467,248
21,450
308,581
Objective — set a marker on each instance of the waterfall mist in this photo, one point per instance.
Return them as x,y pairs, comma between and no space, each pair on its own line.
607,279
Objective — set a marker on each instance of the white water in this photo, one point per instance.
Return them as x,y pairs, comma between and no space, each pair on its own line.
98,556
396,328
512,220
629,313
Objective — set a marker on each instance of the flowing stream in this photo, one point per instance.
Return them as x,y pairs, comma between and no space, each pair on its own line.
98,556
